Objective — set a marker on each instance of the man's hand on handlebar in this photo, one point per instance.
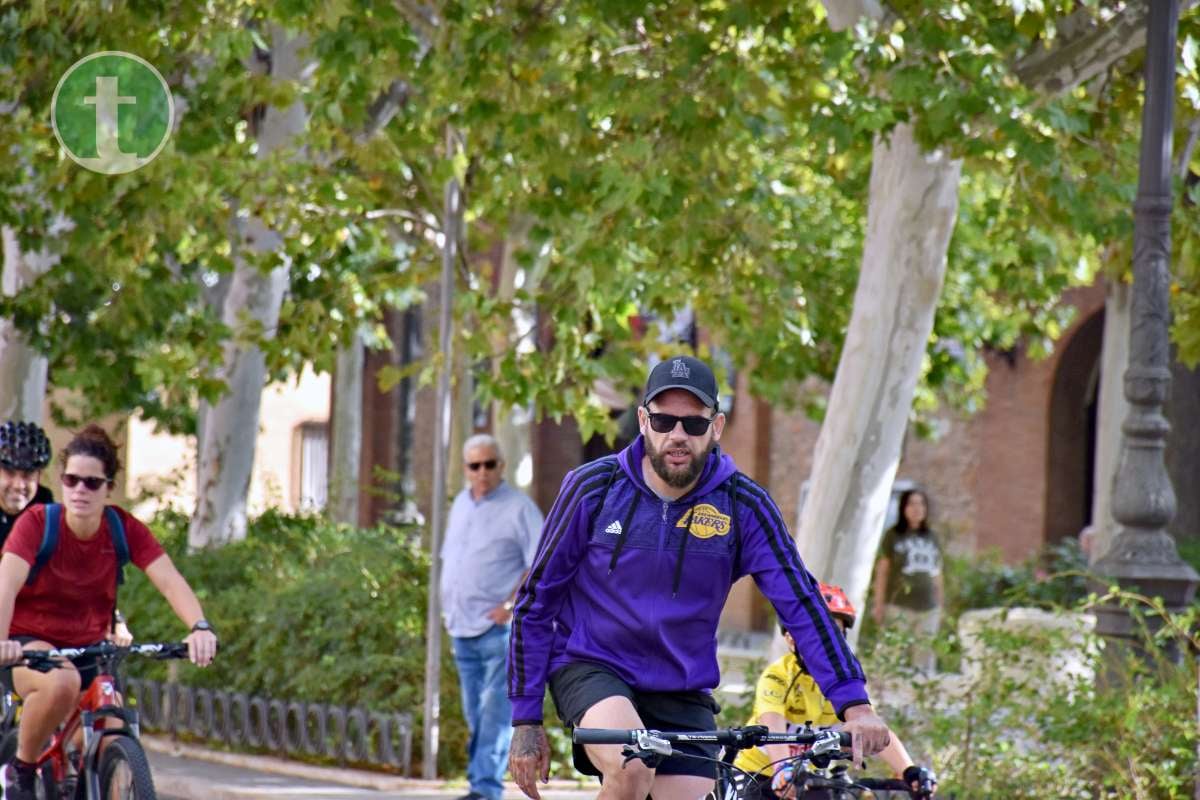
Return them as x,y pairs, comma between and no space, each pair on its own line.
529,758
870,734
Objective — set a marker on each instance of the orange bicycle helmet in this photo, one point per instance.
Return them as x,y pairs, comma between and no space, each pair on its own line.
839,605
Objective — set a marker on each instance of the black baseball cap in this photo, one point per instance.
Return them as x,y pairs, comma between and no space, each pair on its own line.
683,372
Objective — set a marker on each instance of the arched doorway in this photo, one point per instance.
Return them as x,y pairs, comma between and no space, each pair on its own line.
1071,450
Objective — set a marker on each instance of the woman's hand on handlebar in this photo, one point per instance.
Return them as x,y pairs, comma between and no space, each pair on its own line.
10,652
202,647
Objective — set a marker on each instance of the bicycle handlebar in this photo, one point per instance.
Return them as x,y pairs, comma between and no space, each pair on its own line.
740,738
48,659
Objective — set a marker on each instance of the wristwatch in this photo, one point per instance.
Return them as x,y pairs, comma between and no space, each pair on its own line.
204,625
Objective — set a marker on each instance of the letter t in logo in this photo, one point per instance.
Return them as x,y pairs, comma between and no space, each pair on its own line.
106,100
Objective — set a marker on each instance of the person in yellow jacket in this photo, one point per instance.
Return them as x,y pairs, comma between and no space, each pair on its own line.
787,697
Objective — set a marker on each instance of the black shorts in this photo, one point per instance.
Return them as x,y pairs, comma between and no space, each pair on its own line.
577,687
88,668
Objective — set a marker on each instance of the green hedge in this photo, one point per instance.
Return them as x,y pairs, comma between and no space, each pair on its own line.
309,610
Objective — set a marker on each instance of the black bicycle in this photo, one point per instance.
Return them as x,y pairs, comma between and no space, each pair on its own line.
813,773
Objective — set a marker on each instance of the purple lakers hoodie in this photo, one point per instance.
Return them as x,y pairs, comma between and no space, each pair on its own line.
635,583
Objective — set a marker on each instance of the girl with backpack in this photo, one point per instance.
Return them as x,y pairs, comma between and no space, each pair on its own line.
59,573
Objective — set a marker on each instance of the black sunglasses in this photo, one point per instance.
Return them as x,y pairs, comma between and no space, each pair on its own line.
665,423
489,464
92,483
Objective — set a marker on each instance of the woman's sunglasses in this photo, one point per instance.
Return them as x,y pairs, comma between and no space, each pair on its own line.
490,464
93,484
665,423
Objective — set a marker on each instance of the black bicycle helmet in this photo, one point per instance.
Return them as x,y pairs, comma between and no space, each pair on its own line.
23,446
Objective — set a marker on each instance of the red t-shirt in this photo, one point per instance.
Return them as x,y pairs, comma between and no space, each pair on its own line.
71,602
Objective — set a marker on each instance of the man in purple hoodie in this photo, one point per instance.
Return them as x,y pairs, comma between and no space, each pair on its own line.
619,612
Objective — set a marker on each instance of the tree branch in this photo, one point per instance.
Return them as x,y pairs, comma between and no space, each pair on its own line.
383,108
1090,48
844,13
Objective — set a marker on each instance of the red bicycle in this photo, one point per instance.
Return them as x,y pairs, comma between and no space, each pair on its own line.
111,765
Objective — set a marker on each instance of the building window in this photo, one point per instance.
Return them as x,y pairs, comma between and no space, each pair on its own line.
314,466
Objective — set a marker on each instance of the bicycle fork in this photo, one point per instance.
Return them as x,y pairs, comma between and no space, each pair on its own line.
92,739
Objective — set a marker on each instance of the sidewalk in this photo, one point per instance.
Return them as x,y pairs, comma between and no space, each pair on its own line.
188,772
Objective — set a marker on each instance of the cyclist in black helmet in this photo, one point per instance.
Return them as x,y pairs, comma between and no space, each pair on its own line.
24,453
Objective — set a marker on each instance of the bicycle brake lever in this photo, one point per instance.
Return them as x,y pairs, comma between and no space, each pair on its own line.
650,759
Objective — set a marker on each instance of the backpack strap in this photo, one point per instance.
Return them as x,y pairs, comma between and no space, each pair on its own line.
116,529
612,477
49,541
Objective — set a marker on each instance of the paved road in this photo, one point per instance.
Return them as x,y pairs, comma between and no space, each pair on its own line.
181,778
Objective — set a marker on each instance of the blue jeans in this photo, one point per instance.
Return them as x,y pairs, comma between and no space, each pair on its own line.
483,673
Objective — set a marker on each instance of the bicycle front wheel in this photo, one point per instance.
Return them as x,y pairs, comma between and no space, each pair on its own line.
124,771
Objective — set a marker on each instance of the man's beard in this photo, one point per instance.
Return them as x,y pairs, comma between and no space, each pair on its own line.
685,476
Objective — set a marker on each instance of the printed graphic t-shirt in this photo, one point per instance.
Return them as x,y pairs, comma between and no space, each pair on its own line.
915,560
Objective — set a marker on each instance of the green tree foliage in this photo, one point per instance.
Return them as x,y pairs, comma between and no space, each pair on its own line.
138,251
647,157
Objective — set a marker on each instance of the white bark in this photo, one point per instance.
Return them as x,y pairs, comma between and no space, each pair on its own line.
844,13
346,430
1112,410
910,216
230,430
23,370
511,424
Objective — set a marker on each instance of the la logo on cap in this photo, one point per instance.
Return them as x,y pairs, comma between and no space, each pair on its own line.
680,369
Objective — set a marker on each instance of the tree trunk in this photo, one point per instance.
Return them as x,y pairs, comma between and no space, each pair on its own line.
230,430
22,369
1112,410
346,431
511,424
910,216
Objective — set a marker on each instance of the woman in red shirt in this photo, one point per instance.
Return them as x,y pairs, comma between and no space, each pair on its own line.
71,601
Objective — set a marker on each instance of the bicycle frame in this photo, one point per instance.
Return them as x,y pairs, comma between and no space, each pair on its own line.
100,702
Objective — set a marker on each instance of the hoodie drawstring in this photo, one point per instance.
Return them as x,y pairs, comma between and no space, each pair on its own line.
687,534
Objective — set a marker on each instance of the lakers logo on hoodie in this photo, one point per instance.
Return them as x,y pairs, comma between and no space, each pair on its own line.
704,521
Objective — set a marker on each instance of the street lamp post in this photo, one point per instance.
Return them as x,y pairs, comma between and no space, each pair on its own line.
1143,554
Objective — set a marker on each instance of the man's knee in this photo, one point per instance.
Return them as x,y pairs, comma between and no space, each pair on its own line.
629,782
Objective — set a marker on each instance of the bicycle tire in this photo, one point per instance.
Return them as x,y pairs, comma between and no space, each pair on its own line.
46,787
8,745
127,752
